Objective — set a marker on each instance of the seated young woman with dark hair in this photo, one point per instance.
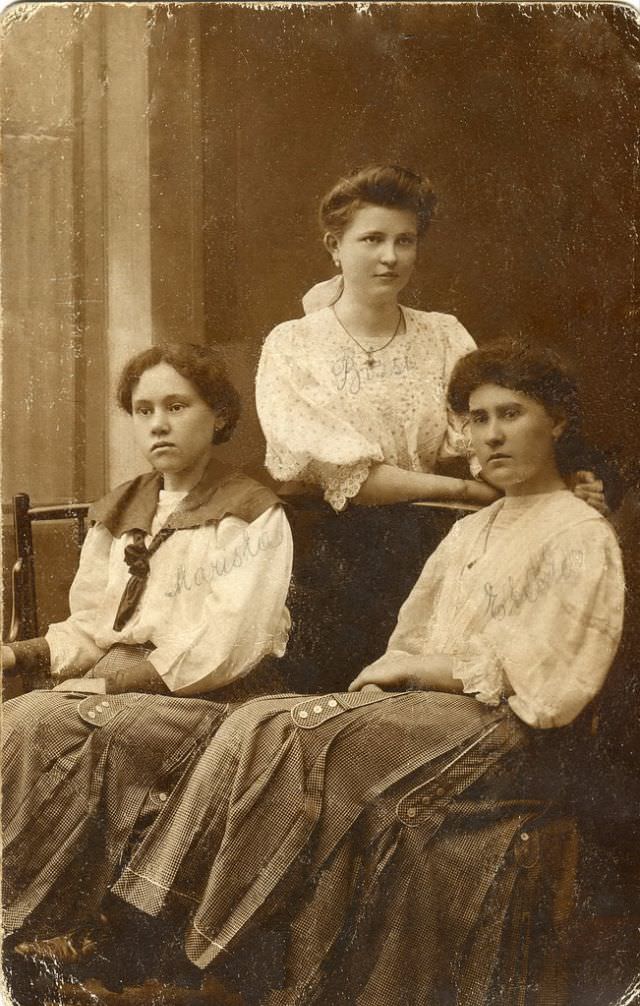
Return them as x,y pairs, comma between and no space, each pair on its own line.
180,594
389,840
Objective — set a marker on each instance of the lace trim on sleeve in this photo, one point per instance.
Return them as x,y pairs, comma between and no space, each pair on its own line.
283,467
480,671
342,482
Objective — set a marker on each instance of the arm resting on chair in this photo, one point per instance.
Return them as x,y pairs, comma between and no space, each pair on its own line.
27,657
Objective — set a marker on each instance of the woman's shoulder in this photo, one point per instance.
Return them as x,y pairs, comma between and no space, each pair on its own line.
298,329
147,483
471,522
570,516
452,333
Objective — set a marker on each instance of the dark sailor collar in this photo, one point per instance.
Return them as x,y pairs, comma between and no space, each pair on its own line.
222,491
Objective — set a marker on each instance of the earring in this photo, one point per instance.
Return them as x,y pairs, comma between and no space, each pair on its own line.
336,261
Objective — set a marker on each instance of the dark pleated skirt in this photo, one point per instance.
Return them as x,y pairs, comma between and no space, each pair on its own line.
352,572
372,852
74,793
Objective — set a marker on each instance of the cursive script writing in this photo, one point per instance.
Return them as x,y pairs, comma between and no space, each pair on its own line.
351,374
548,568
225,562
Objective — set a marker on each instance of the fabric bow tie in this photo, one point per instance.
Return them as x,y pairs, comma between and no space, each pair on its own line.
136,556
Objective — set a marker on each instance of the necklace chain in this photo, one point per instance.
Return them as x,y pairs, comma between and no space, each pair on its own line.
369,352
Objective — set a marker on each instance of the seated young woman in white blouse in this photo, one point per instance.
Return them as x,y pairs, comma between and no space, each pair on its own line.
180,594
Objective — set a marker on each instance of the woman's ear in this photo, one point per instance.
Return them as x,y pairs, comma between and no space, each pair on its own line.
559,426
219,425
331,243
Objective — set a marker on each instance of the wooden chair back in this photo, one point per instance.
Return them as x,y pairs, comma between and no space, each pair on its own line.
24,613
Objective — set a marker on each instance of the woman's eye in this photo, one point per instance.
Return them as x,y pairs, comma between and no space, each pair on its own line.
408,242
177,407
477,420
371,238
142,410
511,414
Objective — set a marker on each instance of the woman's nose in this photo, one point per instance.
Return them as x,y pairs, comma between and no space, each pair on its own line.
160,422
389,253
494,433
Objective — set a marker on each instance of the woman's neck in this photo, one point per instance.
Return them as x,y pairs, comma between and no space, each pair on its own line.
537,486
188,478
365,318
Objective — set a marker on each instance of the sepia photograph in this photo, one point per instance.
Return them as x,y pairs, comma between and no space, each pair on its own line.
321,504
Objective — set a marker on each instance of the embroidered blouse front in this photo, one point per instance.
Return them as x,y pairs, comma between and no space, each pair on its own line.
328,412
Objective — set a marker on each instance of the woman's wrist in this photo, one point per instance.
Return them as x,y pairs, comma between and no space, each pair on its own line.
8,658
29,656
143,677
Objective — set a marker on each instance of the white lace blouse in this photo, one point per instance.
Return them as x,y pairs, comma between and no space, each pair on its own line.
328,415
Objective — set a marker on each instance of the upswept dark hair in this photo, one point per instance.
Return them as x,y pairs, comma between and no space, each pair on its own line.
199,364
380,185
535,371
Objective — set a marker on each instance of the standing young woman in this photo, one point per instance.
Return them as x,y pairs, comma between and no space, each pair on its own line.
180,593
396,848
352,399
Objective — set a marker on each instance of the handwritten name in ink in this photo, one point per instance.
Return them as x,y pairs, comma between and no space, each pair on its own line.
350,374
225,562
541,574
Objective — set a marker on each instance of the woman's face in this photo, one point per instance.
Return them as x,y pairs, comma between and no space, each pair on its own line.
173,426
377,251
514,437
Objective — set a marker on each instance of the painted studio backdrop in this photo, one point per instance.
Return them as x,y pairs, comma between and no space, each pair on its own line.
163,166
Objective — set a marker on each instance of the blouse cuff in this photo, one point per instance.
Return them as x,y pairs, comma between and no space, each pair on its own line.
342,482
481,674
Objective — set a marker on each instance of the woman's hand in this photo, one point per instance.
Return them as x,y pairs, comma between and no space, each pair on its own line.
590,489
8,658
401,672
141,678
481,492
384,677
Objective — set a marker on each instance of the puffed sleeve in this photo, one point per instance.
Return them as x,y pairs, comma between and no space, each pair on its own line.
458,343
549,641
309,438
72,642
244,618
